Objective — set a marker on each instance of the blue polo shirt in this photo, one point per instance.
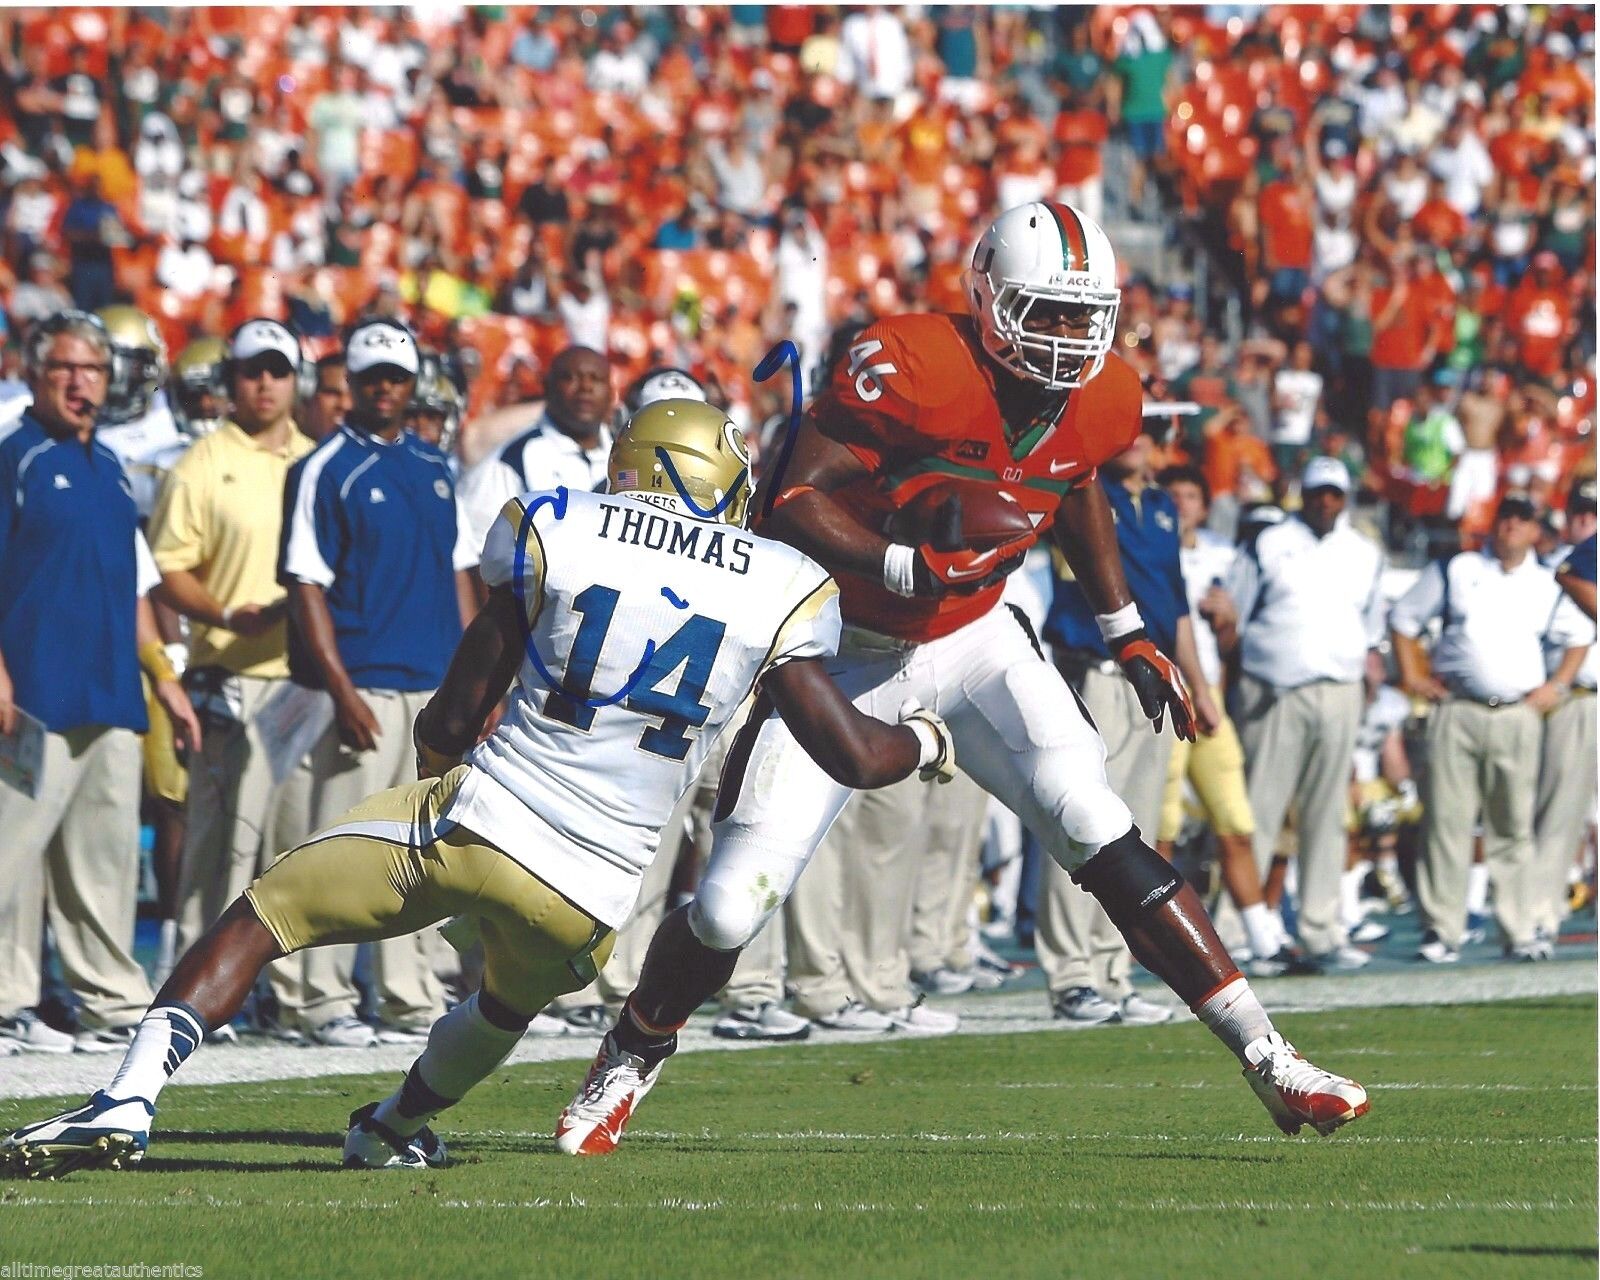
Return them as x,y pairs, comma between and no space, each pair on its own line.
375,525
68,580
1147,536
1580,564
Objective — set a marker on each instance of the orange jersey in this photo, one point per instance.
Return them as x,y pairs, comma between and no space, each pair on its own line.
919,401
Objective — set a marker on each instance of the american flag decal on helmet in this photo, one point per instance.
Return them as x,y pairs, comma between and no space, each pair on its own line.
628,479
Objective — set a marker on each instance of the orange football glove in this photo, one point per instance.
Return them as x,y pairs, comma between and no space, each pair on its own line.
1157,681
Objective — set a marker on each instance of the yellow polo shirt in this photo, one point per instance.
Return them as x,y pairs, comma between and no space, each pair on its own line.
219,516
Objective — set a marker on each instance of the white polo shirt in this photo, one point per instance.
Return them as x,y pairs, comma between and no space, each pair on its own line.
1309,607
1209,561
543,457
1496,623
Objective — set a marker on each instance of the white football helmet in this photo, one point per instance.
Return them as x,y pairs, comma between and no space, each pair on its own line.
1044,252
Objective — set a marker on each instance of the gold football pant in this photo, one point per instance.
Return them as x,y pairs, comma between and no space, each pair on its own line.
1214,766
391,866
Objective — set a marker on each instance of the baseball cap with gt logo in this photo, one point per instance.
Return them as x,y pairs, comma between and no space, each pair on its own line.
377,344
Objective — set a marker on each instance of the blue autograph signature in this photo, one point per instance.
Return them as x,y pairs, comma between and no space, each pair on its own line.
784,352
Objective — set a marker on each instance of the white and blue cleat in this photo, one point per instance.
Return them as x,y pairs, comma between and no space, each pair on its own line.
371,1144
104,1133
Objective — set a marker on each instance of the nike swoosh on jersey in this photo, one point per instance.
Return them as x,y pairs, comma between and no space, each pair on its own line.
1056,468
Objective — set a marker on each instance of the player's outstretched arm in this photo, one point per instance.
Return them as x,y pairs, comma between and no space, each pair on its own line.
484,664
856,750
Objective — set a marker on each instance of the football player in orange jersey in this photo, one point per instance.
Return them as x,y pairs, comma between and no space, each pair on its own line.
1023,393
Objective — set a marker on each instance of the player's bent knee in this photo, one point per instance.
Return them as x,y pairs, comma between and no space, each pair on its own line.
1078,821
1128,877
725,919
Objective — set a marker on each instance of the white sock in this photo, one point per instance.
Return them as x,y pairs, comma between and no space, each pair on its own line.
1235,1016
463,1048
168,1033
1350,897
1264,929
167,947
1478,888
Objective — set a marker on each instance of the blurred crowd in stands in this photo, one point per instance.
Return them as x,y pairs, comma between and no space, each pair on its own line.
1407,190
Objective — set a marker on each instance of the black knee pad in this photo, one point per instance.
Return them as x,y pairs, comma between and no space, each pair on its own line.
1128,877
499,1014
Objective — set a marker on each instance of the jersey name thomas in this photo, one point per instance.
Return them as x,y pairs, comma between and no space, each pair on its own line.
654,628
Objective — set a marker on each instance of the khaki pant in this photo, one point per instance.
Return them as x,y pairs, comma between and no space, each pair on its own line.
1566,805
1299,744
238,824
1077,944
73,850
849,915
946,875
339,779
1480,760
390,867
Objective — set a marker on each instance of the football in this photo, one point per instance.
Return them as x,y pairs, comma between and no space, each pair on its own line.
984,516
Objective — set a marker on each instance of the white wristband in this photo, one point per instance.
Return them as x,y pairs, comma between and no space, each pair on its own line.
931,746
227,618
899,563
1120,623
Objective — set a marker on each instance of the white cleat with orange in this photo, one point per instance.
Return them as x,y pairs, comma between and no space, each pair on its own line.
594,1121
1297,1093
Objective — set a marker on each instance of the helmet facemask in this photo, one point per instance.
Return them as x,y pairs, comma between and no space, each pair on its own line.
1058,363
135,378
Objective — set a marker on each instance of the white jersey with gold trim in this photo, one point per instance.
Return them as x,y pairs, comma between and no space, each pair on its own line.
149,446
647,631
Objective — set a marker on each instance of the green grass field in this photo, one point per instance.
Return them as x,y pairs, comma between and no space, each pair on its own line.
1119,1152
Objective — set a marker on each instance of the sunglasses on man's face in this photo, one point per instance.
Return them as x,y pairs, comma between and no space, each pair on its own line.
387,374
267,366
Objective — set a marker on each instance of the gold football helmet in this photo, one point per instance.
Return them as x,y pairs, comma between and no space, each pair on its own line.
435,397
688,452
198,392
138,363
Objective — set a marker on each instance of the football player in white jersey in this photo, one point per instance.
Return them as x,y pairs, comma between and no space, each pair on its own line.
629,627
136,423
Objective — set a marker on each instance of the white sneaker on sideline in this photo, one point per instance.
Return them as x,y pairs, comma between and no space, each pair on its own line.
347,1032
852,1015
1084,1007
1343,959
1369,930
1136,1011
1435,950
943,981
920,1018
32,1034
765,1021
105,1039
390,1034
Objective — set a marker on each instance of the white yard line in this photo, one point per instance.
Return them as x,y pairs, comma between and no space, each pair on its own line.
568,1203
32,1075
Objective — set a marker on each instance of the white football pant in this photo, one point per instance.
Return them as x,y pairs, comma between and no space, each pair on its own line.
1019,731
